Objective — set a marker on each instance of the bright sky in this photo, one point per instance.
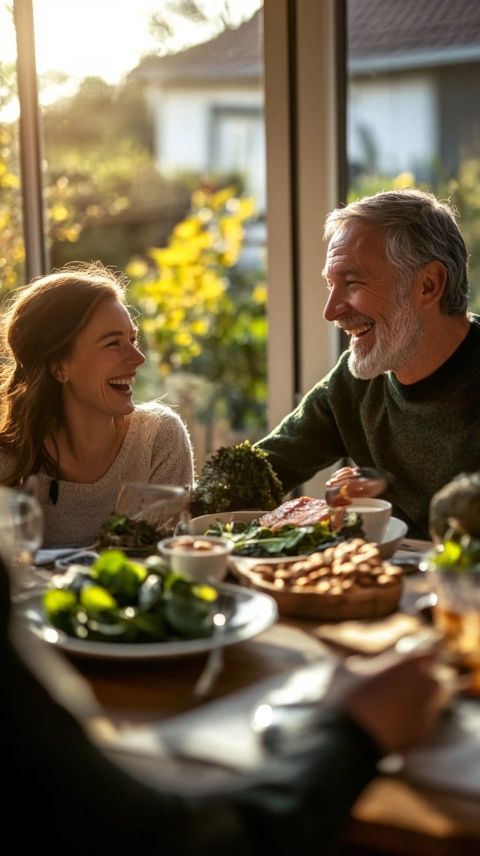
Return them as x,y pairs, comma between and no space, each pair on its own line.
105,37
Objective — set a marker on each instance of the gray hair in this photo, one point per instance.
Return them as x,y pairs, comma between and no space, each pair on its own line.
418,229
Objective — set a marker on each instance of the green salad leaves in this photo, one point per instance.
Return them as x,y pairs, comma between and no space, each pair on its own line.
254,540
119,600
122,532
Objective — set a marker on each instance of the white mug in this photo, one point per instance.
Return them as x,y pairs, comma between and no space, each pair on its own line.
375,515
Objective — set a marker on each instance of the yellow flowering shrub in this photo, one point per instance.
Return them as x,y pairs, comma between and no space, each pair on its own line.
198,310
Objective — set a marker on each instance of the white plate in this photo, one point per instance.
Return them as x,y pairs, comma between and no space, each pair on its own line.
394,535
254,612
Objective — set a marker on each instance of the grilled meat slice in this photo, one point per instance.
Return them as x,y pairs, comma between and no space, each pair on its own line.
303,511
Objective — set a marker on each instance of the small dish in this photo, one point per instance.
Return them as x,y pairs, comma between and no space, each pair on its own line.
200,557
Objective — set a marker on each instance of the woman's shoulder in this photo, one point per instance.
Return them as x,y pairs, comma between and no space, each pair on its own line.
153,412
154,419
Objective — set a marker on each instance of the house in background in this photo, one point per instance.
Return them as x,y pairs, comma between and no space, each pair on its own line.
413,101
414,85
207,103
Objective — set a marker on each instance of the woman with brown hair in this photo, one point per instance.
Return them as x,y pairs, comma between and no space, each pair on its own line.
68,363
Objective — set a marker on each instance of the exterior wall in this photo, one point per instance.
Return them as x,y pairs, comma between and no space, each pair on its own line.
392,124
191,124
459,114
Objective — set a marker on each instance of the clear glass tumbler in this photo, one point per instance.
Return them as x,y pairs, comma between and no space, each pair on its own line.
456,616
21,532
158,505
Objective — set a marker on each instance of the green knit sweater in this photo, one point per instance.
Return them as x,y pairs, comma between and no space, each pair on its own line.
423,433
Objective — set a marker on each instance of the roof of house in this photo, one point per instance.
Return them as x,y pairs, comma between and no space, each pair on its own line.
382,35
235,54
408,33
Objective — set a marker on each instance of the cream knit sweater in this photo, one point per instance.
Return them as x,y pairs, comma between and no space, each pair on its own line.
156,449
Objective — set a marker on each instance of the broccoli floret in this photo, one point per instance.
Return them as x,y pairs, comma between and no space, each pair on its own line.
235,478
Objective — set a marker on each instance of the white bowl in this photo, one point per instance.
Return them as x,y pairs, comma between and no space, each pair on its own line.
375,515
200,558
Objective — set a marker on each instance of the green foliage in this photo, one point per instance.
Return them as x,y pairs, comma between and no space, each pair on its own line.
12,251
463,191
100,181
201,312
96,115
235,478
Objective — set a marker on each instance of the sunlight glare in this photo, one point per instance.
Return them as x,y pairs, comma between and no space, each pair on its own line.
107,38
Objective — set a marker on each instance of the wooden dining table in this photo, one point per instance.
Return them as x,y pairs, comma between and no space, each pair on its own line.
136,699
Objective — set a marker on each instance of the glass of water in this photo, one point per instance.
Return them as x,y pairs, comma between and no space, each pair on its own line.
21,532
158,505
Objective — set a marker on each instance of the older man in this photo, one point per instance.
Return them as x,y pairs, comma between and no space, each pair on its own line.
406,395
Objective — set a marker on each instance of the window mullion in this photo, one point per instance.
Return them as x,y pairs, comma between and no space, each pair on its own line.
36,262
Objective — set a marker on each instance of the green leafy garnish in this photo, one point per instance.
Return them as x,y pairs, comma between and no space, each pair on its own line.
97,600
60,606
120,576
251,539
120,600
123,532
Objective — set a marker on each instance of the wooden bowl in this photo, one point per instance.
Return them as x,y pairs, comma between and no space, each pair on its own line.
373,601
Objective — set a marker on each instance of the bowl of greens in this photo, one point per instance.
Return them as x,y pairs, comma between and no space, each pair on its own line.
123,609
118,600
251,539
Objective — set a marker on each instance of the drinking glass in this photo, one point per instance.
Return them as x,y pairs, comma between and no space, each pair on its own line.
159,505
456,616
21,532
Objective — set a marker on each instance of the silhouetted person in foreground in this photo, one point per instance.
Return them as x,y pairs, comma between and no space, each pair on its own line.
69,798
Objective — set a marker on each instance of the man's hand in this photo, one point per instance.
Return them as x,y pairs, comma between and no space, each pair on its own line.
344,474
395,698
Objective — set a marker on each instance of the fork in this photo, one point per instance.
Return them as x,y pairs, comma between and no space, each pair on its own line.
214,662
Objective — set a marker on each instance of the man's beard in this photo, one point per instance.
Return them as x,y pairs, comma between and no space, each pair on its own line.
395,343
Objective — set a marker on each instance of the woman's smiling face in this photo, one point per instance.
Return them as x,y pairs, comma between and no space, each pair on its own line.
369,303
100,370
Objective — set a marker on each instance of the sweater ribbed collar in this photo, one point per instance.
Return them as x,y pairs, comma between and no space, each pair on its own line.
441,377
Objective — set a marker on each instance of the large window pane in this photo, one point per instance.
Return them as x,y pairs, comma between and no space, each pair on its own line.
413,105
153,142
